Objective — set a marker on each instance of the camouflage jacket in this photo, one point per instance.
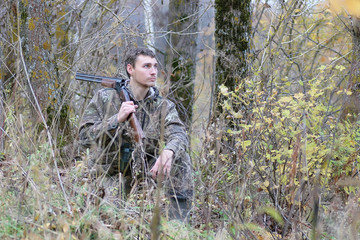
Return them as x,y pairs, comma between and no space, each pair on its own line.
104,136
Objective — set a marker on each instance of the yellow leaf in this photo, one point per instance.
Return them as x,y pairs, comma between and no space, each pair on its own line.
61,13
31,24
237,114
79,165
59,33
347,92
233,132
266,183
227,106
285,99
247,143
46,75
299,95
46,45
286,113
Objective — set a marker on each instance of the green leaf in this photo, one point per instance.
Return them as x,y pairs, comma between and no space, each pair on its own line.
247,143
285,99
322,67
274,214
340,68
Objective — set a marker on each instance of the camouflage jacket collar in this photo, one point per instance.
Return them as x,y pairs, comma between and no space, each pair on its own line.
152,94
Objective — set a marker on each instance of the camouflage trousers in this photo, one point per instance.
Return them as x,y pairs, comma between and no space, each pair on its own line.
115,187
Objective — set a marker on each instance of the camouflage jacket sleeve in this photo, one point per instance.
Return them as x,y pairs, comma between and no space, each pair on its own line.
100,118
174,131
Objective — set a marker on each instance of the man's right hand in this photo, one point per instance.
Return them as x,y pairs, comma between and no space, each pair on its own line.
126,109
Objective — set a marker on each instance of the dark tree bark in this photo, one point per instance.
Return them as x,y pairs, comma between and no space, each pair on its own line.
181,54
36,47
232,32
3,70
8,24
40,43
351,107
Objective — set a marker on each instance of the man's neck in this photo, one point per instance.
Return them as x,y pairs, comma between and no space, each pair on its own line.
139,92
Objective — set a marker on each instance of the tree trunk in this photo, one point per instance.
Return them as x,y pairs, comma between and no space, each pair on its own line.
149,24
8,25
351,107
2,117
232,31
40,41
181,54
3,71
36,47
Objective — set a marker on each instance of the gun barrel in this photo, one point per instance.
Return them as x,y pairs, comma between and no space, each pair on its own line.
95,78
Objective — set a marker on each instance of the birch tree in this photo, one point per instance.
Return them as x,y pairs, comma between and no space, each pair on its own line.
149,25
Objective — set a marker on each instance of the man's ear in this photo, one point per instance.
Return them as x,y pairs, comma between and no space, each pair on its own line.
129,68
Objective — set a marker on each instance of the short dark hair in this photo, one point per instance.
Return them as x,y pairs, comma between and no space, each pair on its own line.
133,53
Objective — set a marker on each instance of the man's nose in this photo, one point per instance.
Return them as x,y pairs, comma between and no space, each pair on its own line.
153,71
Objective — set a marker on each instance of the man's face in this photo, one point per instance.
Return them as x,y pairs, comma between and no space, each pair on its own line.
144,73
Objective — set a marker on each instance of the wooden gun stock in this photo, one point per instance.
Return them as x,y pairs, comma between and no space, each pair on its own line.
118,84
134,122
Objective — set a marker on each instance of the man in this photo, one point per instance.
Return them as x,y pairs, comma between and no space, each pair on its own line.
115,156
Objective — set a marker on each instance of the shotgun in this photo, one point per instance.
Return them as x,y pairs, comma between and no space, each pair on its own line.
119,85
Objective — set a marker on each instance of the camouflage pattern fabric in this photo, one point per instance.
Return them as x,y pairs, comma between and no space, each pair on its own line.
104,137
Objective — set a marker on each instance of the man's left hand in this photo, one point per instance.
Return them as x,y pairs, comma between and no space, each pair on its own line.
163,164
